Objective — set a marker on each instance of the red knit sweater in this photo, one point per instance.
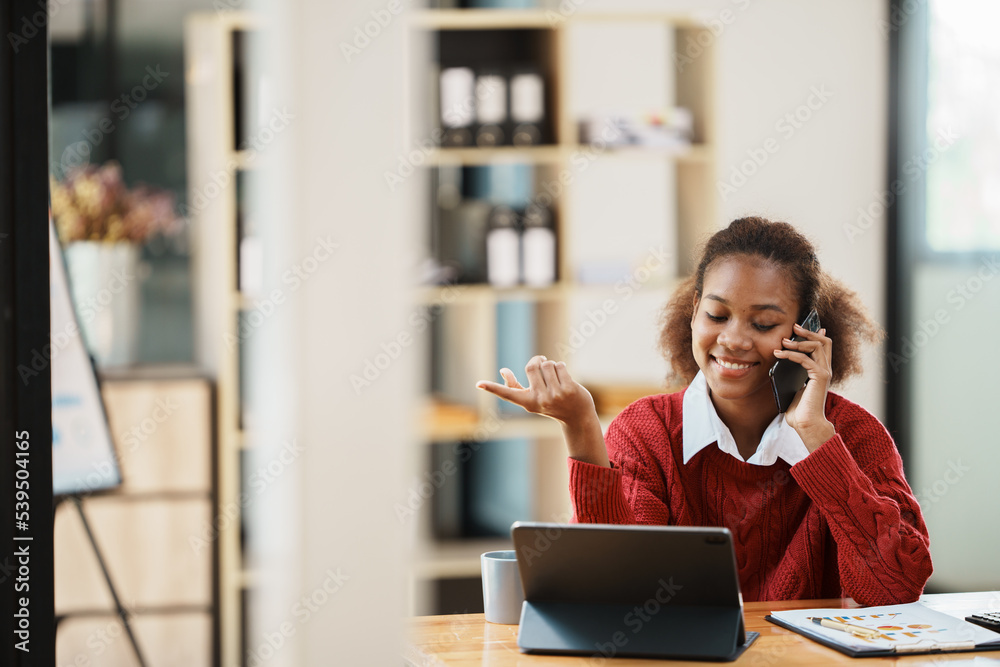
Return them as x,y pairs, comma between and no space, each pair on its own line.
843,521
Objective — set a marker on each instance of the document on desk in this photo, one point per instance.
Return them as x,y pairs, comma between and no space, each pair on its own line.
891,630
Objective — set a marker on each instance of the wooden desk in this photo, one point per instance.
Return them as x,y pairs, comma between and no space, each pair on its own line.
467,639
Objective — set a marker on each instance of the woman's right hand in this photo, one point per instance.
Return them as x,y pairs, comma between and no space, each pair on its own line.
550,391
553,393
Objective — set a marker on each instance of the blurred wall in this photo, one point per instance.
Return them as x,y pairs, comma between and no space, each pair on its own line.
330,546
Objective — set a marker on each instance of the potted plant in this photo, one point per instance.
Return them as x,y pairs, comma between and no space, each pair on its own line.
102,225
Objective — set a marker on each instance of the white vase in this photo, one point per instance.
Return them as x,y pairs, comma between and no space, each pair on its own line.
107,293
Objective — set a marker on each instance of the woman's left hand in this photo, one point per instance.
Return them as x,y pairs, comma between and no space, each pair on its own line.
807,414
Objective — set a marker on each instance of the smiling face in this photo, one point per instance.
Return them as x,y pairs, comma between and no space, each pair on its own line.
746,307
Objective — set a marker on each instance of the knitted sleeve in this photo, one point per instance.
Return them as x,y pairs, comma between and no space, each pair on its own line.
633,489
856,479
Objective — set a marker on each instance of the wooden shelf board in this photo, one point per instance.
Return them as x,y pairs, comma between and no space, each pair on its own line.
669,18
470,294
227,20
540,155
458,558
548,154
695,153
246,159
449,569
482,19
604,289
248,578
155,372
447,417
443,422
529,426
498,19
611,399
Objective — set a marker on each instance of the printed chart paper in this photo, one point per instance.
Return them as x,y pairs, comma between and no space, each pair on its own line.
906,627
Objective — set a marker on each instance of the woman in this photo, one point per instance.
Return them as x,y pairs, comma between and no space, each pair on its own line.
815,497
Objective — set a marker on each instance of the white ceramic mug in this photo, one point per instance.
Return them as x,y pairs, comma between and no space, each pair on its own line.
502,592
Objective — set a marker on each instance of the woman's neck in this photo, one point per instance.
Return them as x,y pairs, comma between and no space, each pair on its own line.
746,419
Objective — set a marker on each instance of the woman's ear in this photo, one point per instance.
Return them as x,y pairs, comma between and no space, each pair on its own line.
694,308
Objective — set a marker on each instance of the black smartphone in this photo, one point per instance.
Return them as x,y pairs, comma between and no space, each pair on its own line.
787,376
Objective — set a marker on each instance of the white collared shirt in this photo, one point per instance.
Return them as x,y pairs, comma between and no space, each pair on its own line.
702,427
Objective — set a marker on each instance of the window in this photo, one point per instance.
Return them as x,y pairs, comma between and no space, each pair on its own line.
962,155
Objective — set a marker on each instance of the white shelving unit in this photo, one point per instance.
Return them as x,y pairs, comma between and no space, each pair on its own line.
215,162
691,215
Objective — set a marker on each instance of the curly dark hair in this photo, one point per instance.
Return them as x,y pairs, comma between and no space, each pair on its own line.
840,309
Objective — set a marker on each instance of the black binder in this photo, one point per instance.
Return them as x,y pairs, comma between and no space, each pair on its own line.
629,591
